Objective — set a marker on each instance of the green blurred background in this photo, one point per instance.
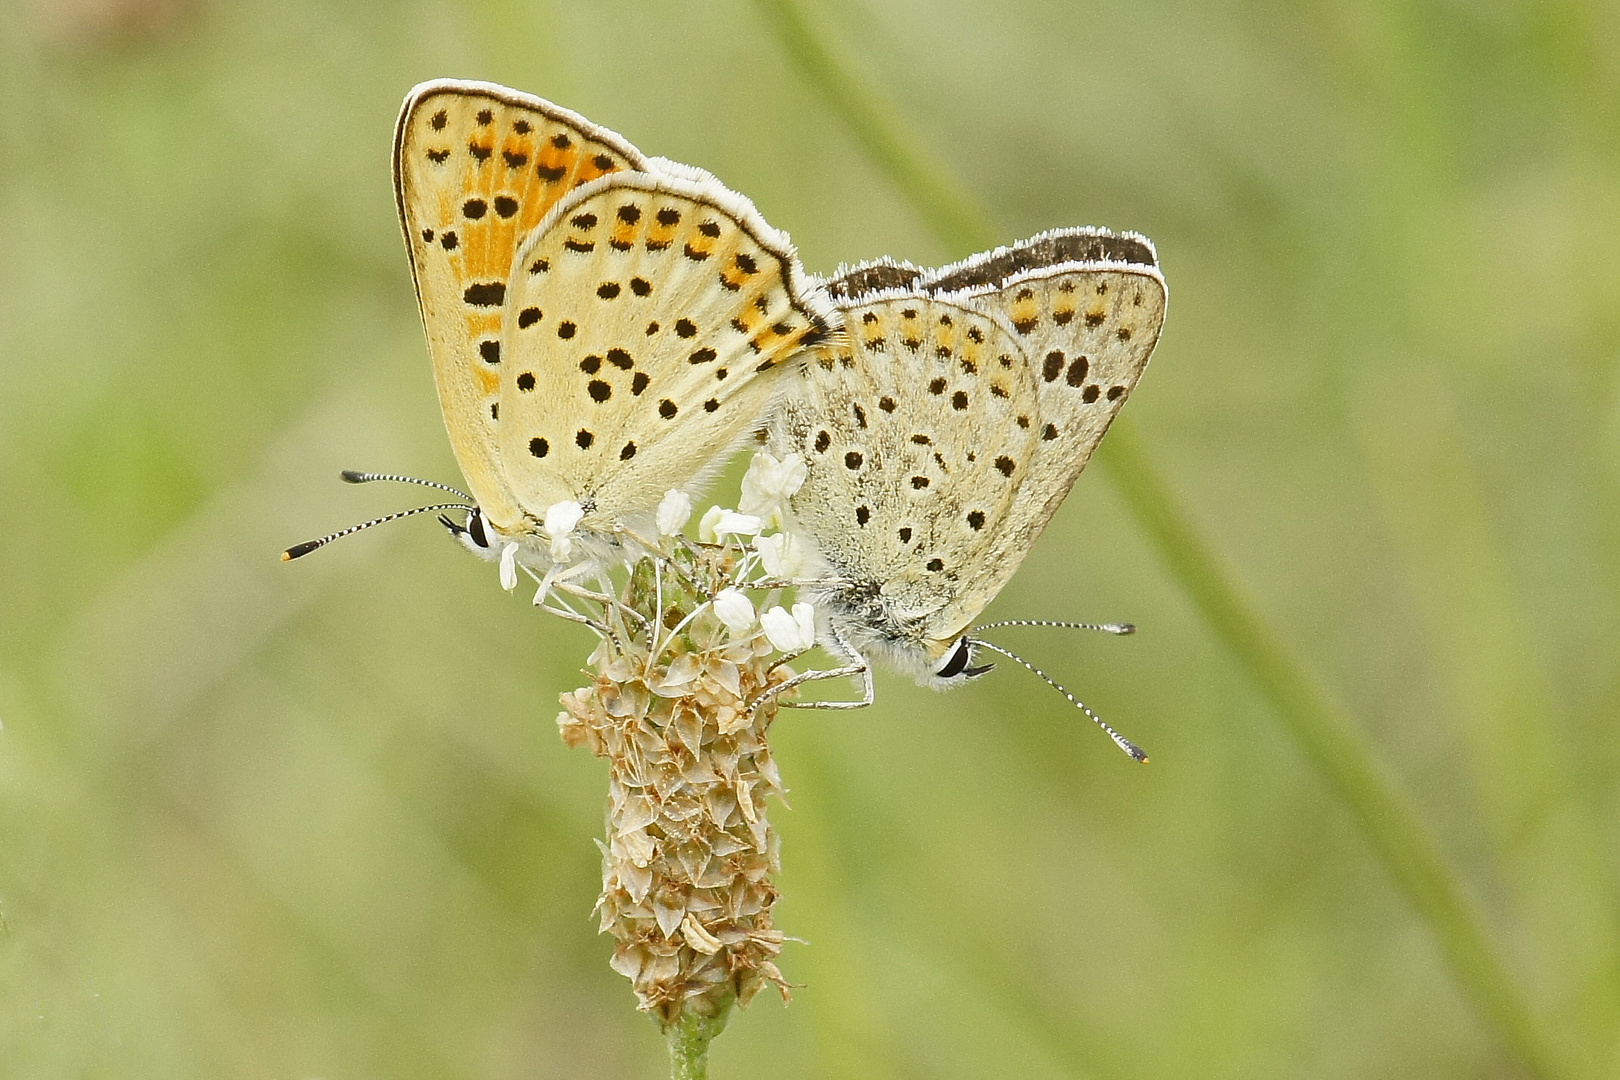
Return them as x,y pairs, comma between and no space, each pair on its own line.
314,821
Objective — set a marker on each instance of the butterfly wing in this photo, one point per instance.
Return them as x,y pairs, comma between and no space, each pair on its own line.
476,167
649,320
1087,307
918,433
852,283
1085,245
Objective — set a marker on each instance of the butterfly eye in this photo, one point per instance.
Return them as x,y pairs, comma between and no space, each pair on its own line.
956,664
475,528
956,661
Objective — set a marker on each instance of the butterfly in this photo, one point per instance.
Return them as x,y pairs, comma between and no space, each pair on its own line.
944,432
603,325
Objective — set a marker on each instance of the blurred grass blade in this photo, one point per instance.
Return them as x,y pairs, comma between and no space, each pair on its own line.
1330,739
1333,744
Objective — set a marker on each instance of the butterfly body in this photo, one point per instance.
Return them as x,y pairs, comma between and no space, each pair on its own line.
944,434
603,326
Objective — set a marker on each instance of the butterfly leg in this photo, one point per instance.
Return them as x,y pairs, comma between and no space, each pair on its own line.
857,665
800,583
602,598
601,629
862,669
556,582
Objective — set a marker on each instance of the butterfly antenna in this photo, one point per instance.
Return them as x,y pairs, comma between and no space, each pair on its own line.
1120,628
353,476
300,550
1136,752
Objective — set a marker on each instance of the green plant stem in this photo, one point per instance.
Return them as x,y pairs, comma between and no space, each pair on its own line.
1328,736
1334,745
949,211
689,1039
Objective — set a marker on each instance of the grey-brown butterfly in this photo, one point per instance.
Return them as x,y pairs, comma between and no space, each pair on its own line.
944,434
603,325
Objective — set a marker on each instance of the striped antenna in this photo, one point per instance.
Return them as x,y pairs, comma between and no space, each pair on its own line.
1136,752
354,476
300,550
1121,628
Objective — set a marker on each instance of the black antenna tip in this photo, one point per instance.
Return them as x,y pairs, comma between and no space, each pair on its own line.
353,476
300,550
1125,628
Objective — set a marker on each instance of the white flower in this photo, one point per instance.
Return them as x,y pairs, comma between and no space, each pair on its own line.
769,483
509,567
673,512
735,610
719,523
706,524
559,525
790,633
782,554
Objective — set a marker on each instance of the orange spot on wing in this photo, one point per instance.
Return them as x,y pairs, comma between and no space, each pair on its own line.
516,152
659,235
590,167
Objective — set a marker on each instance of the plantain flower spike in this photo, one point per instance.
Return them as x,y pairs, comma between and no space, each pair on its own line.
677,705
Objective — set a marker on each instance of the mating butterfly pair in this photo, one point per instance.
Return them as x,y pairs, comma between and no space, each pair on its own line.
605,327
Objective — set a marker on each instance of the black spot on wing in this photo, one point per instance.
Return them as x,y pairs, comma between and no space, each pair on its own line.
485,294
